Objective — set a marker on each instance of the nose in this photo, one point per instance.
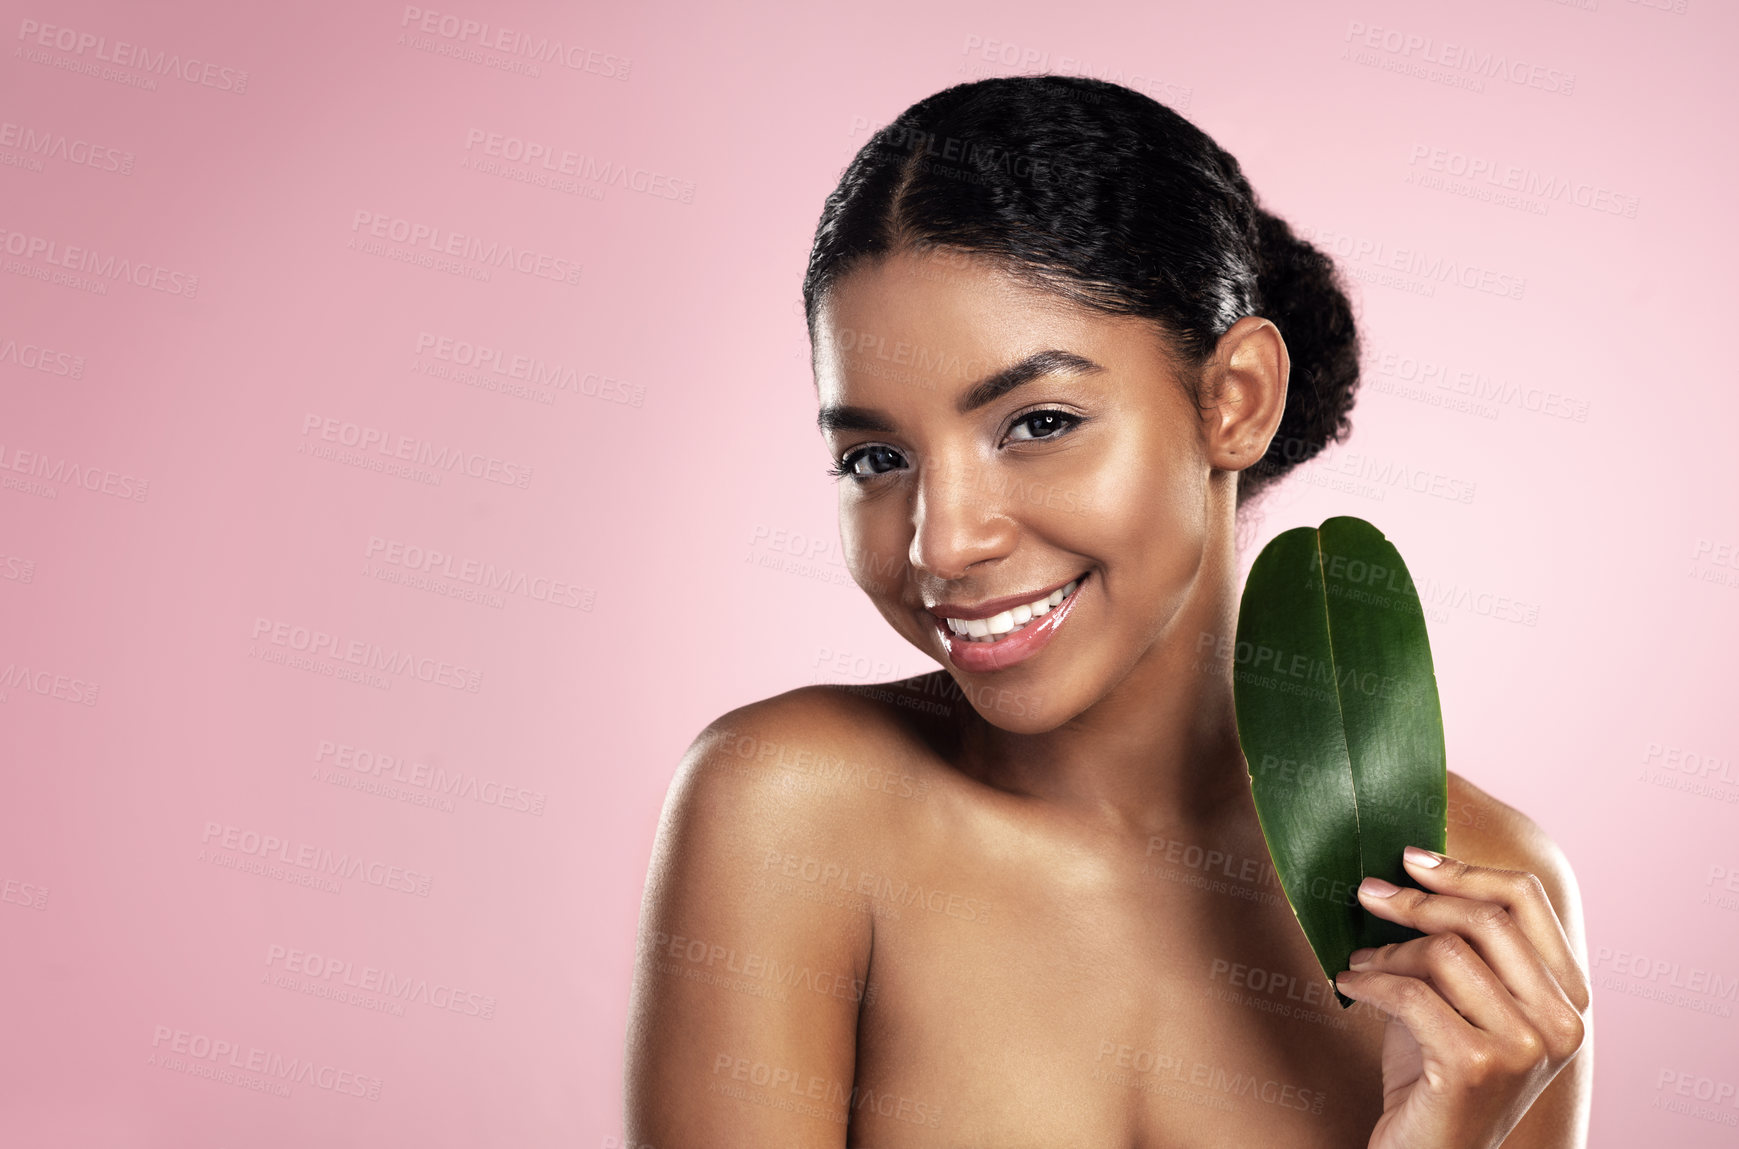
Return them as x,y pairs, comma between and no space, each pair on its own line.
957,520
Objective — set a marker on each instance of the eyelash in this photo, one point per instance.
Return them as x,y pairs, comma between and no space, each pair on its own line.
843,467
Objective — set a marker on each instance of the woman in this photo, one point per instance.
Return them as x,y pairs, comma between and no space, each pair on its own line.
1025,900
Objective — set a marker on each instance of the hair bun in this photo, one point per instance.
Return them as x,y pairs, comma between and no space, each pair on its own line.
1302,293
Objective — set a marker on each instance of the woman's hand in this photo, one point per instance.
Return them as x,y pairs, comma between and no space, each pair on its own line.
1484,1010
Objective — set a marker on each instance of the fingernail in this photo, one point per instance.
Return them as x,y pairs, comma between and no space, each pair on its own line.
1359,959
1378,888
1421,857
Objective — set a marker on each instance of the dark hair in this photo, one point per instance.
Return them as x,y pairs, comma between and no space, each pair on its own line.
1112,200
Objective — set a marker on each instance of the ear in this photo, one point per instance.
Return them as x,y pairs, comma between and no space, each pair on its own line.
1243,391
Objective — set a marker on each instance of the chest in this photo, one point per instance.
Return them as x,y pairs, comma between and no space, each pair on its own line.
1050,996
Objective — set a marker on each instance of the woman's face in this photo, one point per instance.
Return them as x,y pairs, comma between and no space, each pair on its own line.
966,493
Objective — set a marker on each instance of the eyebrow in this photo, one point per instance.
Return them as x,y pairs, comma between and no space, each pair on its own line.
982,393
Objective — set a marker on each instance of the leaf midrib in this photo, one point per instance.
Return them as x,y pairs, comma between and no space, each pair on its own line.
1340,707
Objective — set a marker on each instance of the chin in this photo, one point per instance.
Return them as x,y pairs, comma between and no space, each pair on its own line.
1016,711
1030,704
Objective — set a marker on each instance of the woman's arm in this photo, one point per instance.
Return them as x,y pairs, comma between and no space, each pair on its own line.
746,987
1491,1028
1558,1118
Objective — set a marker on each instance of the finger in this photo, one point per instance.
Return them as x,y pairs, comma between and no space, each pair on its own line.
1490,927
1522,895
1457,972
1437,1028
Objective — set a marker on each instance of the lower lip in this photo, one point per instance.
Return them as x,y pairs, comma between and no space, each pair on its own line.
1019,646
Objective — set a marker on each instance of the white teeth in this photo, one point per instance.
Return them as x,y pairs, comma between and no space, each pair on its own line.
992,628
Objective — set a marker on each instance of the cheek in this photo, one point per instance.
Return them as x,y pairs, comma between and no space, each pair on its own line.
1147,477
1146,518
874,544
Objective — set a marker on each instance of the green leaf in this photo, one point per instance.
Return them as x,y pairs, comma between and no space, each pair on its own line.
1340,724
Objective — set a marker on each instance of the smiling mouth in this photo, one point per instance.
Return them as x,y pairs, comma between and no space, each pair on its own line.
998,627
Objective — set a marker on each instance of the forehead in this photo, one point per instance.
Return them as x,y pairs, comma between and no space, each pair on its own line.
943,319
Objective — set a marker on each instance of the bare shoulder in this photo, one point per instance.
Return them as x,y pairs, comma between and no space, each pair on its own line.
766,778
823,714
748,957
816,754
1490,832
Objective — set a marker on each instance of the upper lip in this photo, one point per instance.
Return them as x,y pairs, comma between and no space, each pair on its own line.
995,606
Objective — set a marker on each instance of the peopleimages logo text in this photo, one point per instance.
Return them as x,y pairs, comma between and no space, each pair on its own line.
317,643
42,249
419,451
125,55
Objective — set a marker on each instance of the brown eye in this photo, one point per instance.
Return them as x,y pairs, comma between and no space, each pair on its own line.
867,462
1042,425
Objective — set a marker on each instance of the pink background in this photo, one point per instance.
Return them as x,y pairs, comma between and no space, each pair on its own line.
1554,462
